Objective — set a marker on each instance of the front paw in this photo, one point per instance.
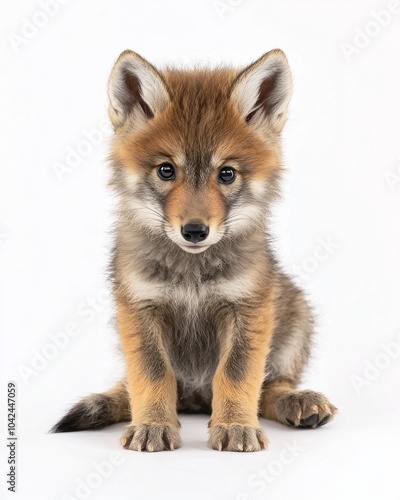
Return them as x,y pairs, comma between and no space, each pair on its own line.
236,437
150,437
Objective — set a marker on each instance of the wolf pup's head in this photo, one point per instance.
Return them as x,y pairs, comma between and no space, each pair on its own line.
196,154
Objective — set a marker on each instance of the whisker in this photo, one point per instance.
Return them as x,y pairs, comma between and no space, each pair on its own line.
150,209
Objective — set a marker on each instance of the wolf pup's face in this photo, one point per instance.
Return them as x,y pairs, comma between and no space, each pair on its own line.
196,154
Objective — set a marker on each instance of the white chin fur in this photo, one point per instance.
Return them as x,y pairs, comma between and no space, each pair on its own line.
194,249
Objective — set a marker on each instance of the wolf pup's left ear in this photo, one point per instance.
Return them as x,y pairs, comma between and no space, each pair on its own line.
136,90
262,91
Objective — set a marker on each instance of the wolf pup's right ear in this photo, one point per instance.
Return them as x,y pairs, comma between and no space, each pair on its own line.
262,91
136,90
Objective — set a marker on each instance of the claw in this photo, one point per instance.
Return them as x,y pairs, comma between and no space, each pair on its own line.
150,447
172,447
240,446
219,445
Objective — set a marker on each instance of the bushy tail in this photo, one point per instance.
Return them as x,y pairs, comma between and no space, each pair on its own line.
97,411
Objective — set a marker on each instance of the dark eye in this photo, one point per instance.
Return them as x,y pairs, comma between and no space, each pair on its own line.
166,172
226,175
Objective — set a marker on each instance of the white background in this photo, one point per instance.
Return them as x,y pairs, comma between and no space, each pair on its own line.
342,185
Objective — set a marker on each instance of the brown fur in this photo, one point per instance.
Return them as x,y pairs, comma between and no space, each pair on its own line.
214,326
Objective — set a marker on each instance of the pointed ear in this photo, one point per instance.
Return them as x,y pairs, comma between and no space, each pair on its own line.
262,91
135,89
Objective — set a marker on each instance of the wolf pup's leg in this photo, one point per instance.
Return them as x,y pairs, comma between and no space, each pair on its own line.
288,357
245,341
151,382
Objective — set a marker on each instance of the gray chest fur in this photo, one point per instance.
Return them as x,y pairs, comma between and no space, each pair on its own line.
194,354
194,348
194,291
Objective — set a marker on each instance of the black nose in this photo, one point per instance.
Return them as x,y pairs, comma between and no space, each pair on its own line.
194,232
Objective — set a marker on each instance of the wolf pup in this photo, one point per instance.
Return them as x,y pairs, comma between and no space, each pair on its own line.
208,321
